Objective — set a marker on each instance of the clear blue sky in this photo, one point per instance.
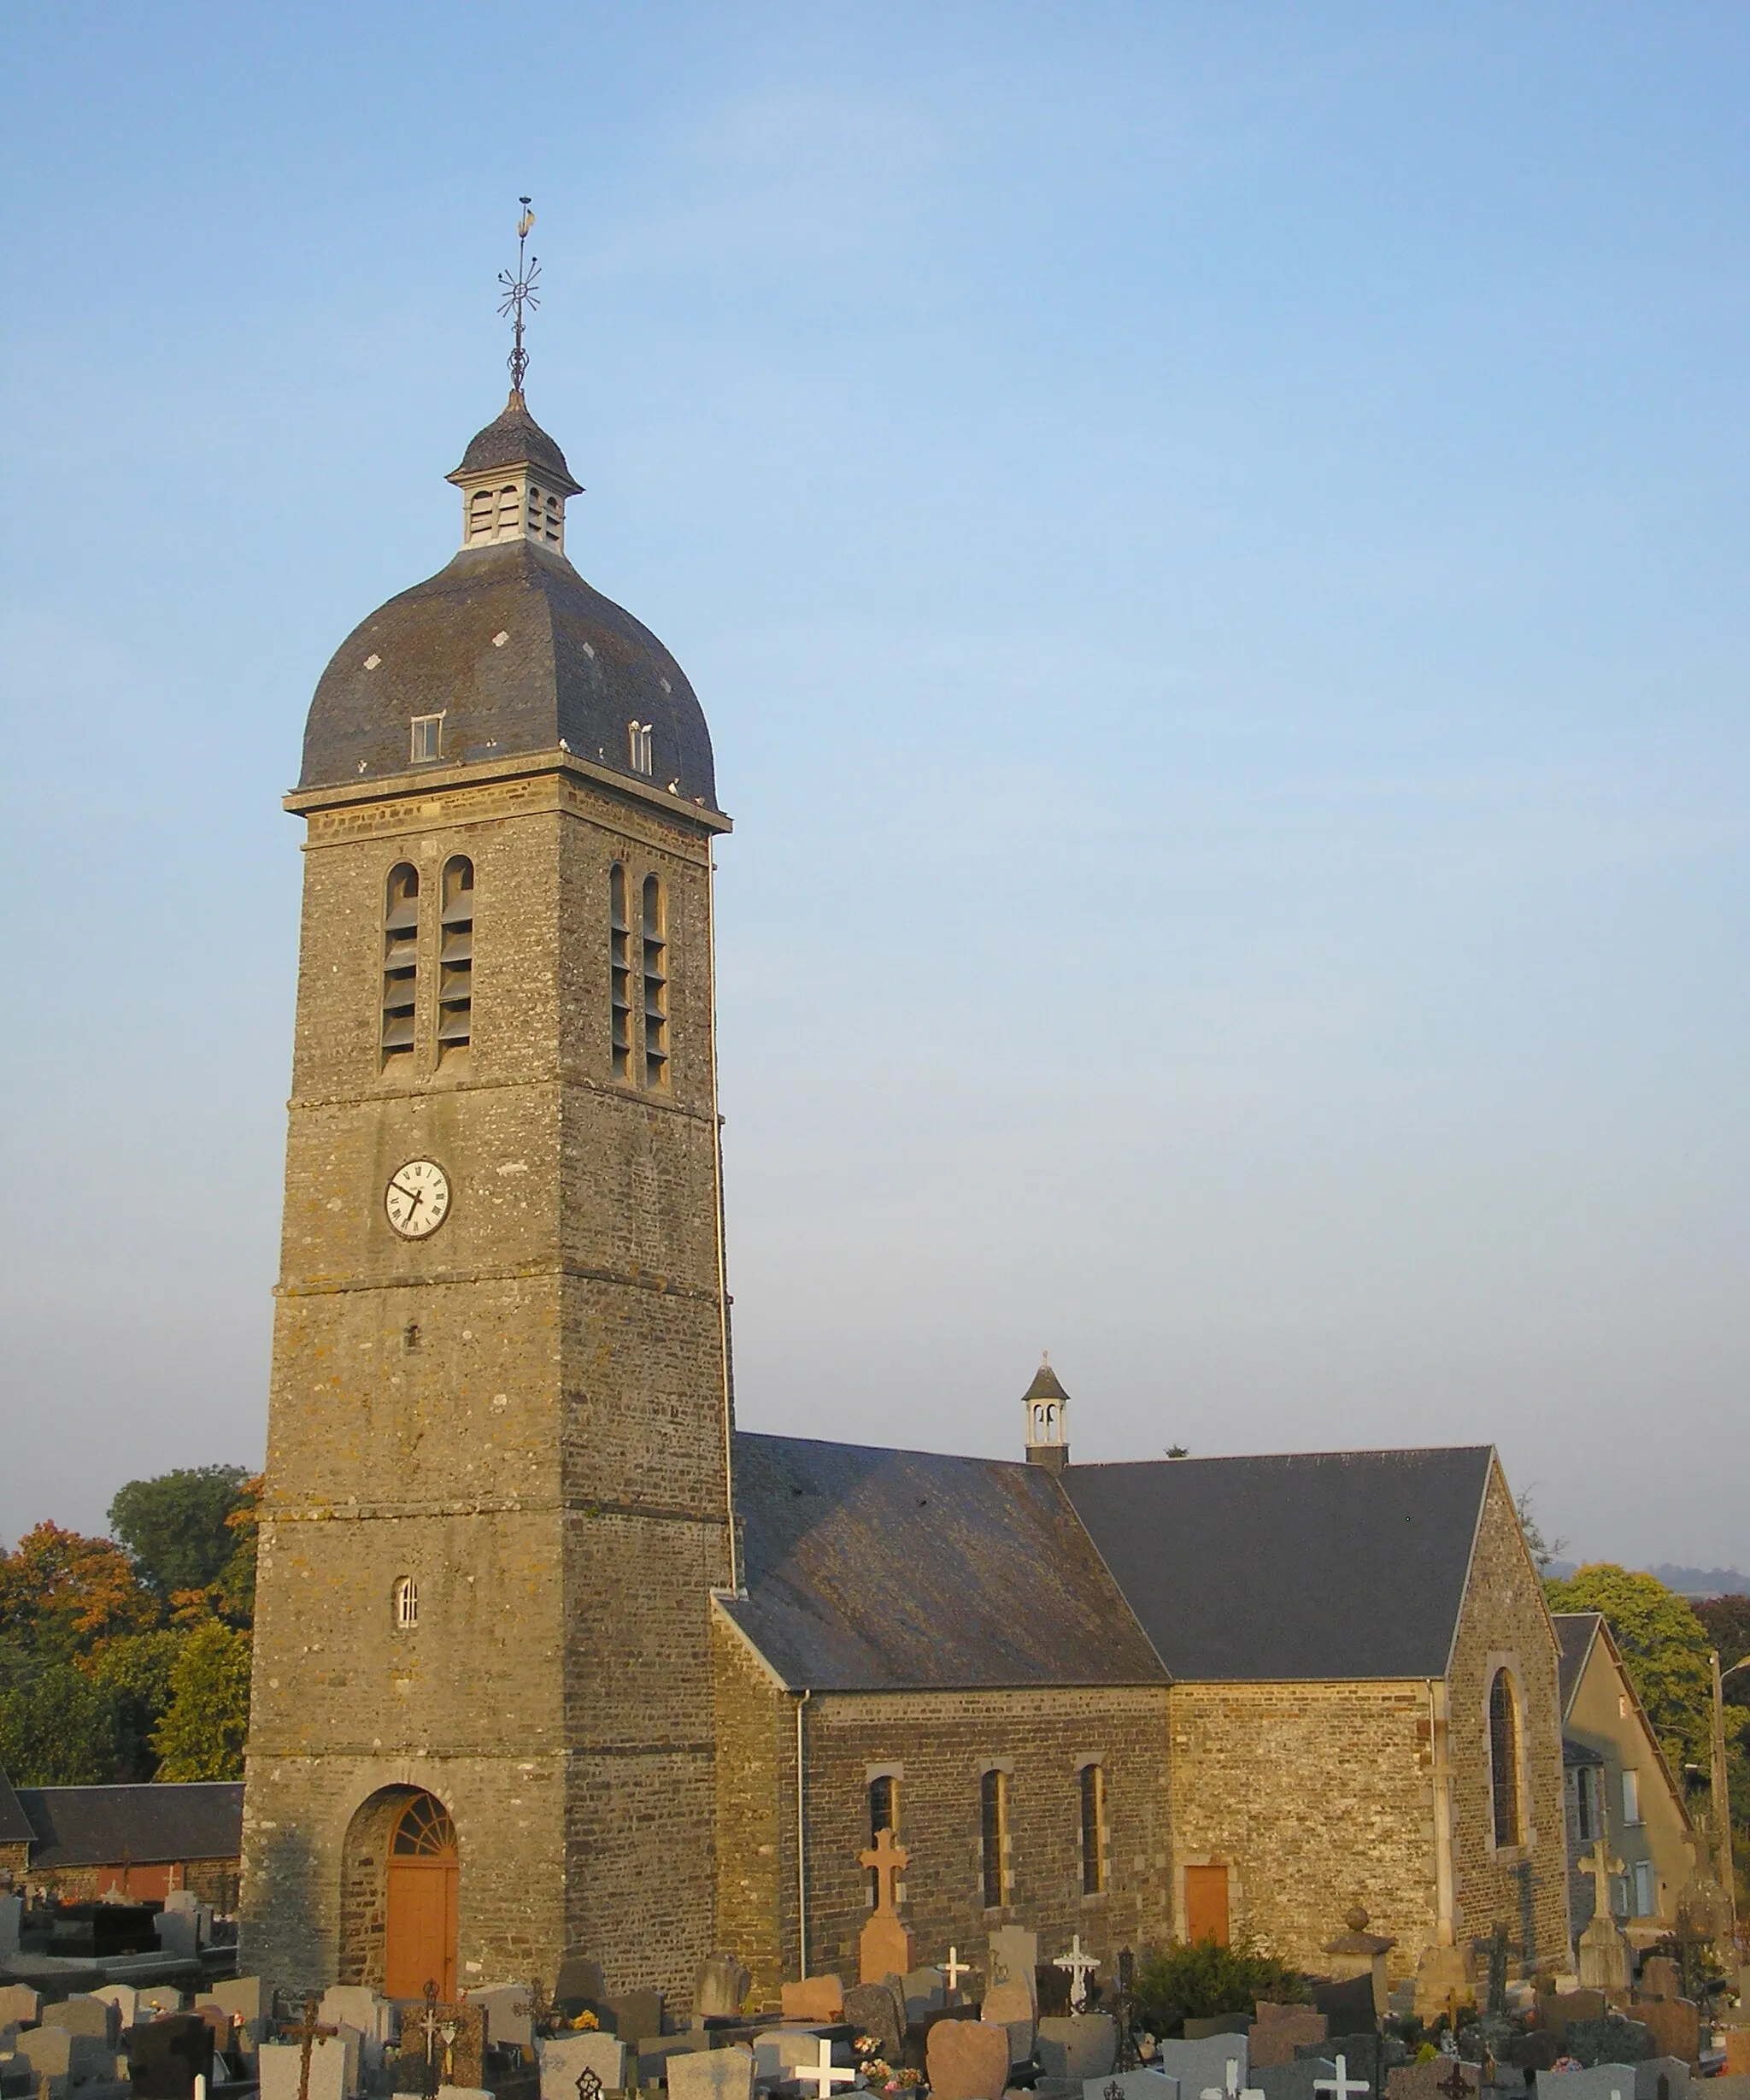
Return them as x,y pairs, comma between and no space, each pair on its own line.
1212,541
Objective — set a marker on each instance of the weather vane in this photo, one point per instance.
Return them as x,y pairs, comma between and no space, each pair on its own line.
519,293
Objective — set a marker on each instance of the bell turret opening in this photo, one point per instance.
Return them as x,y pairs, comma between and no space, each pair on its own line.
1048,1407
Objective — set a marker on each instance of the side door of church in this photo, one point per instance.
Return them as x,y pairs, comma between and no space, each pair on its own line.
1206,1904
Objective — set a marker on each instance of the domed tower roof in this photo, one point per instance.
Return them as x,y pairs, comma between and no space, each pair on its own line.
507,651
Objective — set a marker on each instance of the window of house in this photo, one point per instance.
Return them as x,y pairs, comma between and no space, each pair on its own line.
1631,1796
993,1824
1646,1890
1620,1899
1504,1758
401,961
427,738
619,973
655,974
407,1602
1092,1783
883,1814
638,738
1590,1823
455,957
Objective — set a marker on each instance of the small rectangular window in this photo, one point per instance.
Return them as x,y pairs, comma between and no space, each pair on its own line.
993,1819
427,739
1586,1802
1646,1890
1092,1802
1631,1796
638,739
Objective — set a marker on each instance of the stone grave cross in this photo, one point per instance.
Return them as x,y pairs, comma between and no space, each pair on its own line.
953,1969
1455,2085
1231,2088
825,2075
1080,1966
1599,1864
1342,2086
890,1859
307,2033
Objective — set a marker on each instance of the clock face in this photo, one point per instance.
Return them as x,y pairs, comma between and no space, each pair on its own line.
417,1198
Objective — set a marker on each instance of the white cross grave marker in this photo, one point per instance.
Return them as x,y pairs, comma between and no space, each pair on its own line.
824,2075
1081,1966
1232,2090
1342,2086
953,1969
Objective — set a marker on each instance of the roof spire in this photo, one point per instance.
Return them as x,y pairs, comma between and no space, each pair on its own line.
519,293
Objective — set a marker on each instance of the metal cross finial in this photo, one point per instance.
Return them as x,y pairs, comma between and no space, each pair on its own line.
1080,1966
519,294
307,2033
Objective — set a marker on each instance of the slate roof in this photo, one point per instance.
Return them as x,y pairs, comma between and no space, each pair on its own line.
515,439
1576,1631
1045,1386
1340,1564
99,1826
574,669
877,1570
14,1824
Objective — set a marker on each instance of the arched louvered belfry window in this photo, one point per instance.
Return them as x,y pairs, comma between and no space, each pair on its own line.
455,958
619,973
1503,1757
655,976
401,961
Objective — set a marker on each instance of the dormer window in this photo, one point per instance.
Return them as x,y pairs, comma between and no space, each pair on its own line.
638,736
427,738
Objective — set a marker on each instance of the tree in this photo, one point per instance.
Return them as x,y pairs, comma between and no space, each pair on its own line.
1201,1980
1542,1551
201,1736
137,1672
1665,1650
62,1594
177,1526
1727,1620
56,1729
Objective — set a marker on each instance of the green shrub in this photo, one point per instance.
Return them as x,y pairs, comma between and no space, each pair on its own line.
1197,1982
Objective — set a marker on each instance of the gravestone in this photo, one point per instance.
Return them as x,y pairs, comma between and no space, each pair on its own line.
1737,2047
565,2057
464,2093
243,1994
1011,2005
579,1986
349,2005
1348,2005
1294,2081
1423,2081
966,2061
878,2010
1200,2030
815,1997
58,2053
125,2000
1199,2065
166,2055
1598,2082
1612,2039
1080,2047
925,1993
1729,2086
711,2074
637,2014
1442,1980
1534,2050
1276,2031
1132,2085
1558,2011
20,2006
884,1948
721,1988
1661,2078
178,1933
1675,2025
1659,1978
1014,1958
86,2016
505,2009
279,2066
11,1917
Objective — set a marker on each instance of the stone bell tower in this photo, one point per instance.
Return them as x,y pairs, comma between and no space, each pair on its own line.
497,1491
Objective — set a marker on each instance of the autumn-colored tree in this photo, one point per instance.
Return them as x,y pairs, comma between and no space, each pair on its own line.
202,1734
62,1595
1665,1650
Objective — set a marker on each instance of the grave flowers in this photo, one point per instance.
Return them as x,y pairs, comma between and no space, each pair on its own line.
585,2023
875,2073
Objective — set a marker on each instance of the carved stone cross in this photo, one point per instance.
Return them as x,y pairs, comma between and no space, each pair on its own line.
1080,1966
889,1860
953,1969
1599,1864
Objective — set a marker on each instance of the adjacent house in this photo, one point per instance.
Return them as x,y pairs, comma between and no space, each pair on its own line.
127,1842
1619,1788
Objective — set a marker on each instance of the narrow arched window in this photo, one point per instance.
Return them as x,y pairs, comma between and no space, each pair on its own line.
1091,1780
993,1831
655,973
401,961
455,958
1503,1757
407,1604
619,973
883,1814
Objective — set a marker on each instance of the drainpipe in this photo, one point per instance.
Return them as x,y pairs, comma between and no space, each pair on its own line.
1441,1775
801,1849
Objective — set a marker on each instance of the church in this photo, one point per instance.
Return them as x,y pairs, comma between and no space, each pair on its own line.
551,1657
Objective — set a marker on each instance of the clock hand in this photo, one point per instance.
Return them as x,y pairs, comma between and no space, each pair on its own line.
417,1195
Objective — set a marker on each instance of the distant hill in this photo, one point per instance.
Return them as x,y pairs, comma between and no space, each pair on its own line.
1686,1581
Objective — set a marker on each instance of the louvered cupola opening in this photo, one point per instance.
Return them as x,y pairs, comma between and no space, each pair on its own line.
455,959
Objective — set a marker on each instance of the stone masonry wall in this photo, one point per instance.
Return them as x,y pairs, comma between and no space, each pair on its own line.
1505,1624
1315,1796
937,1745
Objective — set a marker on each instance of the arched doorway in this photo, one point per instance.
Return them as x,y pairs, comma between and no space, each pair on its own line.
419,1942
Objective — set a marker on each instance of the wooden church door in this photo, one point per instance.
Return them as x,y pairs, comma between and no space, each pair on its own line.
422,1903
1206,1904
